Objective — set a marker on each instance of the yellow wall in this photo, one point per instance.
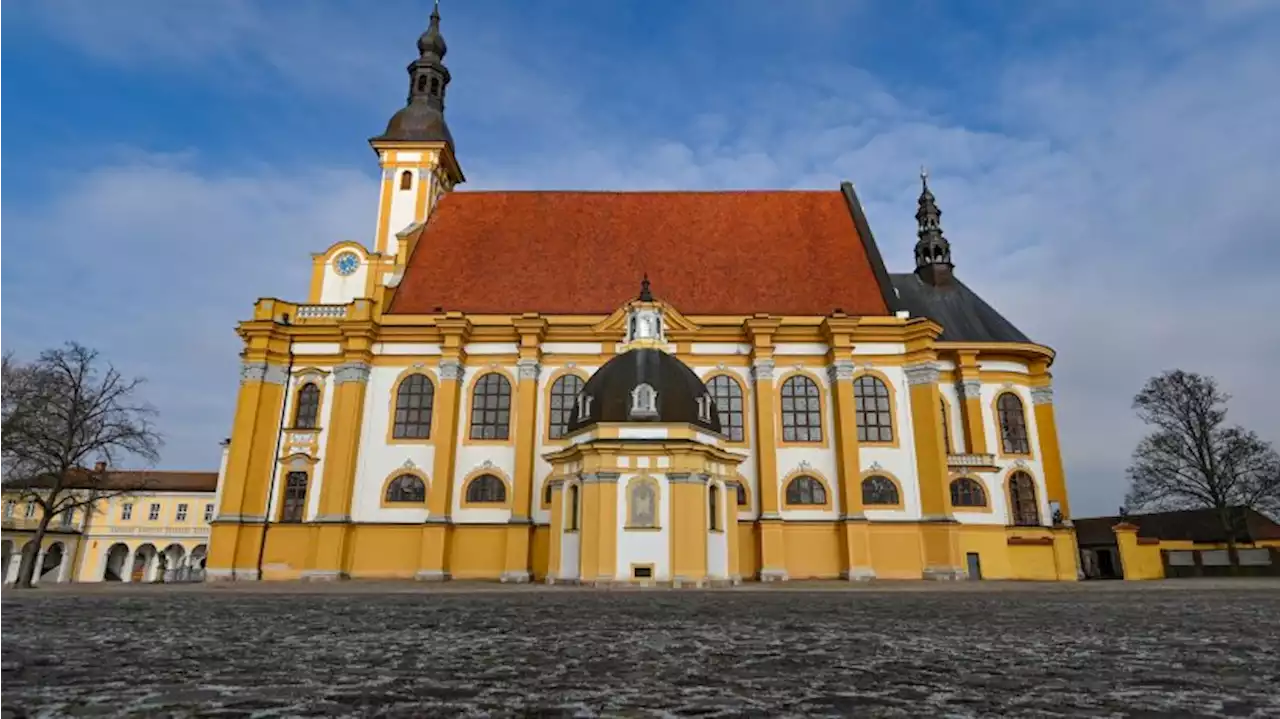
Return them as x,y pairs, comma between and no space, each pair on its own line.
895,551
477,552
813,550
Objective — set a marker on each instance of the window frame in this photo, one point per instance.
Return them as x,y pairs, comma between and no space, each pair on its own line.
870,478
797,502
426,408
787,418
293,501
1020,505
734,385
153,512
954,494
556,389
126,512
180,512
1002,414
500,397
313,420
480,501
876,381
391,486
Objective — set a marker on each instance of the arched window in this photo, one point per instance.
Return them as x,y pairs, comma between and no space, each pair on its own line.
644,401
435,86
407,488
295,497
874,413
422,83
713,508
801,410
486,489
642,506
571,522
806,490
308,409
879,490
727,395
1022,500
966,492
414,402
406,180
563,394
946,425
491,408
741,491
1013,424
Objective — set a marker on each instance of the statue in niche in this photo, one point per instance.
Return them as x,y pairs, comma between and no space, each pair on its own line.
643,506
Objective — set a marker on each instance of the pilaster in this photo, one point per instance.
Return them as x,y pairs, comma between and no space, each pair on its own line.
840,371
532,329
760,329
969,387
688,533
346,419
1055,481
455,329
940,543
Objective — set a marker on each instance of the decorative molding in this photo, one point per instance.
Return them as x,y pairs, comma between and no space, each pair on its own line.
351,372
528,368
264,372
688,478
408,464
1006,385
1020,464
970,388
922,373
1042,395
762,369
487,464
600,477
875,467
840,370
451,369
805,466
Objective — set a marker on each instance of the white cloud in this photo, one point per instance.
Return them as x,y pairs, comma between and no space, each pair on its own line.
1115,201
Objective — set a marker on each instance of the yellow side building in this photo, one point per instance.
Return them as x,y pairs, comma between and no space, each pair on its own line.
653,387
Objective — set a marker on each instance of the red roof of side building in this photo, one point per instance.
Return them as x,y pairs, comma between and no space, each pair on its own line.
134,480
780,252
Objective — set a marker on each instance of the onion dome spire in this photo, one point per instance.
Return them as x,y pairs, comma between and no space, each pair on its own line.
933,251
422,118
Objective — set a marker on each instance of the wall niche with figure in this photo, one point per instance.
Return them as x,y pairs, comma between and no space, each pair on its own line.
642,503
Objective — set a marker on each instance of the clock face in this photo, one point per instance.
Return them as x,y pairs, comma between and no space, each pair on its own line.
346,263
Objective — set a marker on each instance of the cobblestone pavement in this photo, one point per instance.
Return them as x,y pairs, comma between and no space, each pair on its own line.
1122,650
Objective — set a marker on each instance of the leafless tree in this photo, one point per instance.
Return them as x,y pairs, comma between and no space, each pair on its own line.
1194,460
67,417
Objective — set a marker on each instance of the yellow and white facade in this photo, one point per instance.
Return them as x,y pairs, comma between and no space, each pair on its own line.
919,452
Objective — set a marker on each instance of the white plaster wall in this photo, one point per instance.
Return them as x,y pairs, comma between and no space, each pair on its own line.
820,460
879,348
900,461
572,348
491,348
541,467
955,419
378,459
994,483
748,466
645,547
317,472
315,348
499,459
718,542
1002,366
338,289
406,348
719,348
569,548
800,348
403,204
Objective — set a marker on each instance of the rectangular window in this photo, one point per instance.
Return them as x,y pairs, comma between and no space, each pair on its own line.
9,507
126,512
68,517
181,516
31,510
208,512
295,497
154,513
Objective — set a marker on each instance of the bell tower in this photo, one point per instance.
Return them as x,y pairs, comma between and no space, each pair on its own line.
416,151
933,251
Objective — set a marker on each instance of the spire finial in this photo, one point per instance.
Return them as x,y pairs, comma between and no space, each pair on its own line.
645,294
933,252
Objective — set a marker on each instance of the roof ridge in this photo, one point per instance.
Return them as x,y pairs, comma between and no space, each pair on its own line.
751,191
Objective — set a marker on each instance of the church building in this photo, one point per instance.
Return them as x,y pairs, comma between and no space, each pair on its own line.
676,388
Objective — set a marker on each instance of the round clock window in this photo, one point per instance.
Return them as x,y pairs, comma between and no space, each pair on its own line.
347,263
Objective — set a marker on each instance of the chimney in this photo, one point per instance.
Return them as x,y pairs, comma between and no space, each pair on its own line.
99,467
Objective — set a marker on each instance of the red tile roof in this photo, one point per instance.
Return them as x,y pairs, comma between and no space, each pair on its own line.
140,480
783,252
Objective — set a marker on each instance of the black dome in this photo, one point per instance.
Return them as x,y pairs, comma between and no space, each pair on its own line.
677,387
418,122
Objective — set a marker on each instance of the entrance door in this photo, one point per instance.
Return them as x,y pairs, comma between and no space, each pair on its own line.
1106,565
975,566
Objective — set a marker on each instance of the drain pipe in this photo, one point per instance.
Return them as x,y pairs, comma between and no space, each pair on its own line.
275,455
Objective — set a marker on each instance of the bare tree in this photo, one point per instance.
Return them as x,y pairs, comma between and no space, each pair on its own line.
67,417
1193,460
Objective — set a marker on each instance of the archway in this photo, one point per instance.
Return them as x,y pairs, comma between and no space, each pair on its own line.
6,548
143,564
51,567
114,566
196,563
174,563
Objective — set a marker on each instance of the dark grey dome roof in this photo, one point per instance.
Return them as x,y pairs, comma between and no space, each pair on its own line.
678,391
418,122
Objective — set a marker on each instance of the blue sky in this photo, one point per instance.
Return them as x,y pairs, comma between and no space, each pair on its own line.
1107,171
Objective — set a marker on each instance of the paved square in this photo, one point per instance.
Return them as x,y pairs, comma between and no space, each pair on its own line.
1167,649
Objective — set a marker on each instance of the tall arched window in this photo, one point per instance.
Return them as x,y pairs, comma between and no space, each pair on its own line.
966,492
414,402
564,393
879,490
801,410
308,409
571,521
806,490
713,508
1022,500
406,180
486,489
491,407
295,497
741,491
1013,424
727,394
874,411
407,488
946,425
546,493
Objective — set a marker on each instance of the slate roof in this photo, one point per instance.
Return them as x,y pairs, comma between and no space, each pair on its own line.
140,480
964,316
781,252
677,386
1197,525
